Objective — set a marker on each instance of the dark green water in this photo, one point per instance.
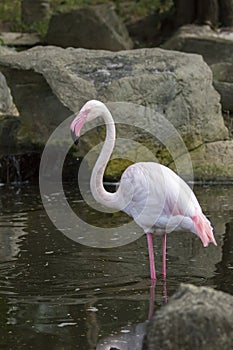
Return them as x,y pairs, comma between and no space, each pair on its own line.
58,294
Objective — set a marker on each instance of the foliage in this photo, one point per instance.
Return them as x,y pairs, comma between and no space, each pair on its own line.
144,7
10,10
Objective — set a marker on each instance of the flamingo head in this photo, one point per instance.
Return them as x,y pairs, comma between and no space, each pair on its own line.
91,110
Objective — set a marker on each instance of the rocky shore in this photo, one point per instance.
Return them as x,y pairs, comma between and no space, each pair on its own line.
143,88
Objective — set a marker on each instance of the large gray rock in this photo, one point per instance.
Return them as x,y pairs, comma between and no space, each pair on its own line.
212,157
214,45
18,39
7,106
91,27
223,83
49,83
196,318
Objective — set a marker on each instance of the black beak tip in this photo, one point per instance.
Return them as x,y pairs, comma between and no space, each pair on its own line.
76,141
75,138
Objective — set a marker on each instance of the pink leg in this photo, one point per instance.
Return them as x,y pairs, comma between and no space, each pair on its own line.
151,256
164,255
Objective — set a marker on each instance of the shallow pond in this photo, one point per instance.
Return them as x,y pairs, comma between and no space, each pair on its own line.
58,294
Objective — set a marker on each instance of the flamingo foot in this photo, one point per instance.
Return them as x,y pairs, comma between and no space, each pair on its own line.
151,256
164,269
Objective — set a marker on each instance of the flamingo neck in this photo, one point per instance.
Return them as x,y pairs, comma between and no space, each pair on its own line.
98,191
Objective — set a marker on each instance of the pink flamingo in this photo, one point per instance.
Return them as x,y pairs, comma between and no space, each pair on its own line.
158,199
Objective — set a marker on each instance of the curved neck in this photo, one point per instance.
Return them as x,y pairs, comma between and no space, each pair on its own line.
98,191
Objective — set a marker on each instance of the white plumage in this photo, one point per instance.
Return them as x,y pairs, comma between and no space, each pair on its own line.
156,197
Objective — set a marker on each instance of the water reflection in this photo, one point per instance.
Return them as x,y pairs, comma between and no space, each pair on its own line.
57,294
131,337
128,338
223,277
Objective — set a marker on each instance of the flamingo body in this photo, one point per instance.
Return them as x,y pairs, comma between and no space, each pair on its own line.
156,197
160,201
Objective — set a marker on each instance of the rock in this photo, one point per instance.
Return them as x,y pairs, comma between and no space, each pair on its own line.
213,161
7,106
214,45
9,127
174,86
197,318
92,27
223,83
6,103
144,31
34,11
20,39
40,110
5,50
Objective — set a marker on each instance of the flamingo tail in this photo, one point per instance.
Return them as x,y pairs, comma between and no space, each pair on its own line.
203,229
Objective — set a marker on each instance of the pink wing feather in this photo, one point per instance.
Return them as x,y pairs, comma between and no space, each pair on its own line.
204,229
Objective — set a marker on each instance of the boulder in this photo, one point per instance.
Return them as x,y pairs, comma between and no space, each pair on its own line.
144,31
6,103
212,158
214,45
91,27
17,39
163,90
34,11
223,83
197,318
9,127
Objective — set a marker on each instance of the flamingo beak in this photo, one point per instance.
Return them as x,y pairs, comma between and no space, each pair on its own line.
76,126
75,138
76,141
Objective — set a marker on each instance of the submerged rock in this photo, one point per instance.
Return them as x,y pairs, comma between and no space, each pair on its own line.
197,318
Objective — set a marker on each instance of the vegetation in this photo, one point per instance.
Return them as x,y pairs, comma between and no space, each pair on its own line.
10,11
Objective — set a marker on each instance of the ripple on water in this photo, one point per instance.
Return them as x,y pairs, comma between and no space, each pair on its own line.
55,292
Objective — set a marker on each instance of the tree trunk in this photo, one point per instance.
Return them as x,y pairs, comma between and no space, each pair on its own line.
207,12
34,11
212,12
226,13
185,12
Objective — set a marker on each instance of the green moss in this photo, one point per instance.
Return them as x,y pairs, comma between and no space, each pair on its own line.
116,167
26,138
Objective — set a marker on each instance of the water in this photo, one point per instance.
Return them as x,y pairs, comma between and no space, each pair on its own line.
58,294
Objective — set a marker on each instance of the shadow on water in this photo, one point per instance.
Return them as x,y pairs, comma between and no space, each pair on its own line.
58,294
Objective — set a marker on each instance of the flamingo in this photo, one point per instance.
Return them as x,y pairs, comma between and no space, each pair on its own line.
156,197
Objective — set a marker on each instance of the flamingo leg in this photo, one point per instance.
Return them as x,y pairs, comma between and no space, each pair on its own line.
164,255
151,256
